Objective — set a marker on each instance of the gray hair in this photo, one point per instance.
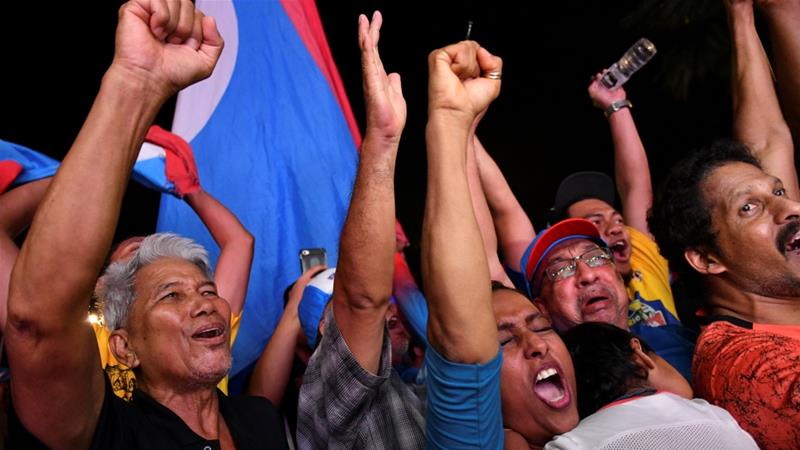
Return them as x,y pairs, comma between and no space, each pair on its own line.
116,287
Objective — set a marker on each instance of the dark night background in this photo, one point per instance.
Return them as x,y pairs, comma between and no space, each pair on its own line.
542,127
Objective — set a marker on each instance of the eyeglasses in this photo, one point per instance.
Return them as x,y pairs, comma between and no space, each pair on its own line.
565,268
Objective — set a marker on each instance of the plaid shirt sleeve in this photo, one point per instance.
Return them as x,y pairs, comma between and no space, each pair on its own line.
337,393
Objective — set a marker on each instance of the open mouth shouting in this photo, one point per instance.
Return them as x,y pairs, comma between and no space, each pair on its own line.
788,241
621,250
212,334
594,301
550,387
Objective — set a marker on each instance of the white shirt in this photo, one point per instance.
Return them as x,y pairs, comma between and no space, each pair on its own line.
659,421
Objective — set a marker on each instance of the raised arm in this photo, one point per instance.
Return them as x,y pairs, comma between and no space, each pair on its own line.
16,212
481,208
757,117
409,298
514,229
363,284
631,169
271,374
783,18
461,324
71,234
232,272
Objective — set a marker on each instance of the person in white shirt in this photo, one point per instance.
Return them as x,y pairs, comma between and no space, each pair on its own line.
630,398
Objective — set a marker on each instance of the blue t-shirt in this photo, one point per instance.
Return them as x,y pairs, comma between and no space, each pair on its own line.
464,407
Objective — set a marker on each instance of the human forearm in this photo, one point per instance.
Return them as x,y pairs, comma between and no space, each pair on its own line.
631,169
410,299
481,209
79,212
273,369
363,283
367,243
758,120
364,271
232,272
19,205
58,266
460,324
514,229
783,18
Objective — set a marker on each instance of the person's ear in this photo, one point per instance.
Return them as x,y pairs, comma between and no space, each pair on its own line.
119,344
640,357
703,262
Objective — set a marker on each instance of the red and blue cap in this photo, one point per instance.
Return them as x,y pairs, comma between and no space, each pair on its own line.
547,240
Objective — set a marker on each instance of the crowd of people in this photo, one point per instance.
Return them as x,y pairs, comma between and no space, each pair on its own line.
566,338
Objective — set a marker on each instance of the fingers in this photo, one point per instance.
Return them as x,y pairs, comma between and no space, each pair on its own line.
463,58
363,31
309,274
184,24
196,36
375,27
172,21
369,30
304,279
159,18
174,9
212,42
490,66
374,75
394,83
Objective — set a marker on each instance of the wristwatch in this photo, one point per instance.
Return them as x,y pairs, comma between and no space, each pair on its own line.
616,106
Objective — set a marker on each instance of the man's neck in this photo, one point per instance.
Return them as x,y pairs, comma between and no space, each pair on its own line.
198,408
728,300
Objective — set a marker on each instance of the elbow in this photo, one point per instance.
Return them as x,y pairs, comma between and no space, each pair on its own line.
248,241
361,299
364,296
23,320
780,136
363,290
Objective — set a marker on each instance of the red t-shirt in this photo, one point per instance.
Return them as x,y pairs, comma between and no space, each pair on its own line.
754,373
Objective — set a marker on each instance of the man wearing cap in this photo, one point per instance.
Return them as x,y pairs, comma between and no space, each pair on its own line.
590,195
572,275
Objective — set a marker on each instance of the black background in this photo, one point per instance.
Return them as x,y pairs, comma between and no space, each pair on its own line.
542,127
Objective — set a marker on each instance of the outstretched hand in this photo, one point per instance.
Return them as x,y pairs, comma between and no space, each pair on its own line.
383,94
168,43
601,96
463,78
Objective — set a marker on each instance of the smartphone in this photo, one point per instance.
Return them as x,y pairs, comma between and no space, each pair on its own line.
310,257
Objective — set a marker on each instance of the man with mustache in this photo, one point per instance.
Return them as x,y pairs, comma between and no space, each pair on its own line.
736,233
590,195
728,217
573,277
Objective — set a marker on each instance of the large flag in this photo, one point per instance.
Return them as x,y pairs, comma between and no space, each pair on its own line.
275,141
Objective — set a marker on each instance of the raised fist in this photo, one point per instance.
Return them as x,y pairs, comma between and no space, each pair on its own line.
169,44
464,78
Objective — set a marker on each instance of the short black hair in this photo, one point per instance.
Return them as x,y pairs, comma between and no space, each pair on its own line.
603,360
680,218
499,286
